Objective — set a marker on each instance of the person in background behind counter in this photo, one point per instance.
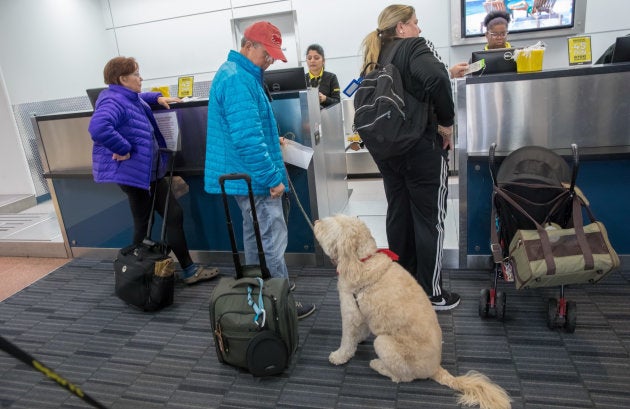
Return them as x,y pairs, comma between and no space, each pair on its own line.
317,77
496,23
126,151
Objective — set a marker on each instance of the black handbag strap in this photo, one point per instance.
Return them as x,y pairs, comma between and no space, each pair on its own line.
578,226
542,233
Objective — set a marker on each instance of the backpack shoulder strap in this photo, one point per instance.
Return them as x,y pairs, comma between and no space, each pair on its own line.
392,52
387,58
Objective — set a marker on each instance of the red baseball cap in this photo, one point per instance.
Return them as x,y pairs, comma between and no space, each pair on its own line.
269,36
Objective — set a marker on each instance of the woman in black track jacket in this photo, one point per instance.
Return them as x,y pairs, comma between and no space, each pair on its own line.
416,182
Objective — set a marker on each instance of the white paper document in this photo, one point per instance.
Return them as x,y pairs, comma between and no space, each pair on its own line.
167,122
296,154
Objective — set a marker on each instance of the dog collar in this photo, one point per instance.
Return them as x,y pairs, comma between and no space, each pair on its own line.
387,252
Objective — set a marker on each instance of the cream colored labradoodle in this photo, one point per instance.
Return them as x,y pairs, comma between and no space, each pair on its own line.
379,296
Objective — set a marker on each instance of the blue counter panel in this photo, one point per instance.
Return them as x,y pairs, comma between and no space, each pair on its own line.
603,182
94,215
98,216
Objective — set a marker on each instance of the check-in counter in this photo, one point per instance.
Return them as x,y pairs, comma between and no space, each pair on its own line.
95,218
588,106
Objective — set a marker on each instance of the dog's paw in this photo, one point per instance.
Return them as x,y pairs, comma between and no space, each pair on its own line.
339,357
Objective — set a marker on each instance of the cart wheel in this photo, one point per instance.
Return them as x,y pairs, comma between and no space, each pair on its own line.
552,313
484,298
500,305
569,325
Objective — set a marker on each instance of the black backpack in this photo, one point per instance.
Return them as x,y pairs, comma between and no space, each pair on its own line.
388,119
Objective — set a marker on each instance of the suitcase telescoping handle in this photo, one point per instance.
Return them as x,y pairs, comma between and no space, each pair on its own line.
235,256
171,167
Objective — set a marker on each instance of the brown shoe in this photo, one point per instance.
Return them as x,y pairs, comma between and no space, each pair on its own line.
202,274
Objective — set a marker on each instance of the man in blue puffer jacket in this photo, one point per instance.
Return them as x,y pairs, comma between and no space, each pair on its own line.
243,138
126,149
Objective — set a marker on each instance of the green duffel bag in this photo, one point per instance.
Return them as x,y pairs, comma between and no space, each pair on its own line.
544,258
254,332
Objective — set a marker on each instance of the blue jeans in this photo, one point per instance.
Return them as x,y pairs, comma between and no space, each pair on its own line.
273,231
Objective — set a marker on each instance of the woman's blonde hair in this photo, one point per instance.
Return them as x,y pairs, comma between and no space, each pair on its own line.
384,33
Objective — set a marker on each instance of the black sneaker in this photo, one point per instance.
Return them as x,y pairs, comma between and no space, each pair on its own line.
291,286
304,311
446,301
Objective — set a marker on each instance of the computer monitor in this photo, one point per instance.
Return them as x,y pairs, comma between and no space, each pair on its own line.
622,50
93,94
289,79
497,61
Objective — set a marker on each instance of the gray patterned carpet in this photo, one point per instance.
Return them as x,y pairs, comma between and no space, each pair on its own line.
72,322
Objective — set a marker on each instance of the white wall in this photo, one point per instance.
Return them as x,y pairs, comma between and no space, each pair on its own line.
14,175
67,42
51,49
55,49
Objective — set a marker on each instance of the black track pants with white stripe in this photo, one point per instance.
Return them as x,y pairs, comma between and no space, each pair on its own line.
416,187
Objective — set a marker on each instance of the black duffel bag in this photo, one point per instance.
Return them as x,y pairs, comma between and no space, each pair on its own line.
145,276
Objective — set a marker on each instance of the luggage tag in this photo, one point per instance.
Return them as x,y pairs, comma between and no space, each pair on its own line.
352,87
259,308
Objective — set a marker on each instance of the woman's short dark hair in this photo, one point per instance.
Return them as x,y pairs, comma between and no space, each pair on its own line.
496,14
317,48
118,67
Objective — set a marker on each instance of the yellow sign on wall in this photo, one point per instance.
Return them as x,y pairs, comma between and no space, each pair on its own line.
163,89
185,87
580,50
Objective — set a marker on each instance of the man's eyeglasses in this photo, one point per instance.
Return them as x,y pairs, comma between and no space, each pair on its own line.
268,59
498,35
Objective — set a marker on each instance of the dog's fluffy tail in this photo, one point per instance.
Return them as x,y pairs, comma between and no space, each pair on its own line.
476,389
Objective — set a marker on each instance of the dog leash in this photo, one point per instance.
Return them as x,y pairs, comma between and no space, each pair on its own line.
297,199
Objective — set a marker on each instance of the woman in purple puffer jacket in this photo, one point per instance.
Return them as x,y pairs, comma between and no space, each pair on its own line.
126,148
